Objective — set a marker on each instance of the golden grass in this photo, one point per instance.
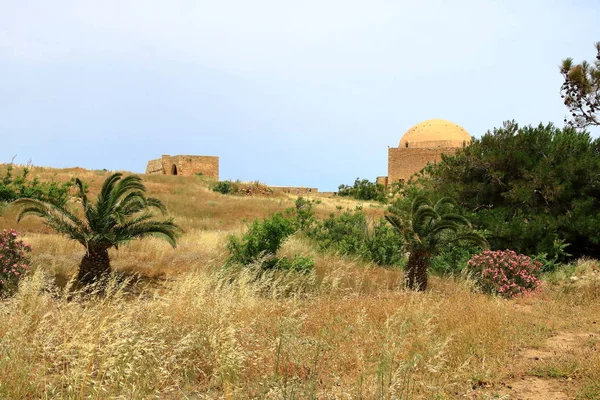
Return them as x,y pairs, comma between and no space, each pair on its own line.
346,332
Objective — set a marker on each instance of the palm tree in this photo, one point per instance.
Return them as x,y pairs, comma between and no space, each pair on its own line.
121,214
425,230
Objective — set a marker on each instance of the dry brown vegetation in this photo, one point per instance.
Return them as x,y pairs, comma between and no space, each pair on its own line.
184,329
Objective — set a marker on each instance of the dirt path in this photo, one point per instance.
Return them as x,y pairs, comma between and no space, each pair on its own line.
532,387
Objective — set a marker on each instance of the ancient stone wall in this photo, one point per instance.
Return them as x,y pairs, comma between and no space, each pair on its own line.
185,165
382,180
155,167
404,162
294,189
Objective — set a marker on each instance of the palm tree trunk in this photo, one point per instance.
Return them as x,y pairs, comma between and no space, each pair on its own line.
416,271
94,265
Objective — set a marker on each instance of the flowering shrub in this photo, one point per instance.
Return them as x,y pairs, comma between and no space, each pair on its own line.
505,272
14,259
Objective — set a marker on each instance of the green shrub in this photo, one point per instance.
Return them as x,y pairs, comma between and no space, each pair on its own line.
16,187
364,190
261,243
349,232
383,246
452,259
303,213
223,187
345,232
297,263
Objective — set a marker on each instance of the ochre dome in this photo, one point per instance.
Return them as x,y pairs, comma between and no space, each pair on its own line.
435,133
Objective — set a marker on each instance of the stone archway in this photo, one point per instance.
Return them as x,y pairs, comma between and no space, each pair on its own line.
174,169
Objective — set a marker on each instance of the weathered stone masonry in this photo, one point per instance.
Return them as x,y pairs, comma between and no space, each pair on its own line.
185,165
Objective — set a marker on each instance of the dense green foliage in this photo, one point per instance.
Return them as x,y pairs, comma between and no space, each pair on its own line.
120,214
426,229
223,187
262,241
534,189
364,190
349,232
16,187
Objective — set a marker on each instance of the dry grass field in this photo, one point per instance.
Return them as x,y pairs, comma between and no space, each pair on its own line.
181,329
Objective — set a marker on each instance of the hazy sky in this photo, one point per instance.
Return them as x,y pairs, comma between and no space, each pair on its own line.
308,92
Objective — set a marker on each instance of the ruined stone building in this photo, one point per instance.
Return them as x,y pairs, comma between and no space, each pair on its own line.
185,165
422,144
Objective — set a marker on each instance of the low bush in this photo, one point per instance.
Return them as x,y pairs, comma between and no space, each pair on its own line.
505,273
452,259
14,260
15,187
261,243
349,232
223,187
304,215
364,190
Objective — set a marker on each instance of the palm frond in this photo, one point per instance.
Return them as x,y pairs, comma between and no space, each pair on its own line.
395,221
474,238
418,202
166,230
422,216
130,183
443,202
132,203
55,216
456,218
443,226
31,210
156,203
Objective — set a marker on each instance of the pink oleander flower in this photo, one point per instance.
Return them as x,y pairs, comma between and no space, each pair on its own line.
506,273
14,259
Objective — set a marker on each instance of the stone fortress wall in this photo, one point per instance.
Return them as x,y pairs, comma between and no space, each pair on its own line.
403,163
185,165
294,189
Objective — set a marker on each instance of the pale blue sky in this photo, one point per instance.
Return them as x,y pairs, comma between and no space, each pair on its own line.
307,92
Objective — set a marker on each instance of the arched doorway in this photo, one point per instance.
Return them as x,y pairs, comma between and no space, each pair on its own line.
174,170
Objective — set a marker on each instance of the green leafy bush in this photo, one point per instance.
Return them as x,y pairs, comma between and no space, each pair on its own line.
364,190
16,187
14,260
223,187
382,245
261,243
304,214
349,232
452,259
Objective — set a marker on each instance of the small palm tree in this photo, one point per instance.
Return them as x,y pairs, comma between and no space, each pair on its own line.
425,230
121,214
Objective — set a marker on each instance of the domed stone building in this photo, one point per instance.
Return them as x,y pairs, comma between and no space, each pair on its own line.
422,144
